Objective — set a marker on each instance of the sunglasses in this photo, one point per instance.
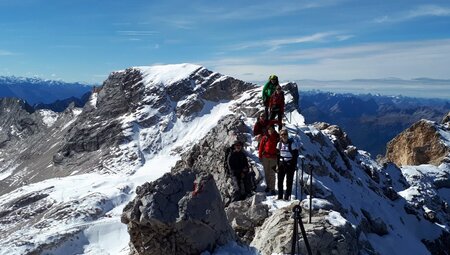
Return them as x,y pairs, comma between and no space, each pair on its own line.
284,134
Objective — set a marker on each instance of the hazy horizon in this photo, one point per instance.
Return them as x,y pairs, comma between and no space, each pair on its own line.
84,41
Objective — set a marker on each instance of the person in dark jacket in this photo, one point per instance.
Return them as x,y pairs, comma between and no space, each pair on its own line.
287,163
268,90
238,165
276,106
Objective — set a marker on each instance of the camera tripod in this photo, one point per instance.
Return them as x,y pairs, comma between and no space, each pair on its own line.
298,221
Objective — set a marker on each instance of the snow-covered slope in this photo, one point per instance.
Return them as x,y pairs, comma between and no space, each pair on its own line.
144,119
173,106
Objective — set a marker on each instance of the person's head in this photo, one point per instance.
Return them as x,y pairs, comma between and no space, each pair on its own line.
271,130
273,78
237,145
262,117
284,135
278,89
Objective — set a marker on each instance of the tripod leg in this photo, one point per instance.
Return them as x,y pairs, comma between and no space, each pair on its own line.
294,236
305,238
310,195
301,183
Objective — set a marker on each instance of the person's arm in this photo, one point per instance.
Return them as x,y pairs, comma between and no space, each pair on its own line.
261,147
245,161
264,91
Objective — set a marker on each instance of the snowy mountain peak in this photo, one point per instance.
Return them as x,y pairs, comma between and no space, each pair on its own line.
167,74
144,122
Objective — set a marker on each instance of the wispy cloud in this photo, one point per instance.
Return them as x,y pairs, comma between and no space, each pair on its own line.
278,43
137,32
264,10
418,12
378,60
6,53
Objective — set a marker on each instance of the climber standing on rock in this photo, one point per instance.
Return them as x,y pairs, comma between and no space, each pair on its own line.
238,165
268,90
268,155
287,163
261,125
276,106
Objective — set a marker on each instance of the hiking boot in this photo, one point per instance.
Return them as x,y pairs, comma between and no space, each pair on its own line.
267,190
273,193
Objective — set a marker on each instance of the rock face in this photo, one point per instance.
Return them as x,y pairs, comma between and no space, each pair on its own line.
446,118
246,215
422,143
177,214
208,155
275,235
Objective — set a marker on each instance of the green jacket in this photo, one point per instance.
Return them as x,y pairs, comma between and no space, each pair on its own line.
268,90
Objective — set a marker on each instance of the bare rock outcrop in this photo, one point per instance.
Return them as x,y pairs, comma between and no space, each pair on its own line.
324,235
446,118
422,143
179,213
246,215
207,156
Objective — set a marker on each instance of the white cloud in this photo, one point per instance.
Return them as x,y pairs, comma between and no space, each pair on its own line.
418,12
277,43
137,32
6,53
404,60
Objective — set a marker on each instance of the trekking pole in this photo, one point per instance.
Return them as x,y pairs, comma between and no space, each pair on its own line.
302,158
298,221
310,194
284,115
296,183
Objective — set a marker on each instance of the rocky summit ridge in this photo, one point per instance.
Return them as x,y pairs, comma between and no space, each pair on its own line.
147,151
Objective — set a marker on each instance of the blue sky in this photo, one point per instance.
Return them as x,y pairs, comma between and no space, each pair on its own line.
82,40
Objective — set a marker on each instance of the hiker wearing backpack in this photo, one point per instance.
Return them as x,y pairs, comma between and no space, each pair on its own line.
276,106
261,125
268,90
287,163
238,165
268,154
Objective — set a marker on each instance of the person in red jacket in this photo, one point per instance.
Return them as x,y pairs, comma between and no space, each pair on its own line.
268,155
276,105
261,125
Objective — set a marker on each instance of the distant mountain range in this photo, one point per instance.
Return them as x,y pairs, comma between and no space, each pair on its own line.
370,120
39,91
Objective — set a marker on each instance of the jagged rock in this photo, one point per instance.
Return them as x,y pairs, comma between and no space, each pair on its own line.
390,193
324,236
179,213
351,152
373,225
208,155
439,246
419,144
446,118
246,215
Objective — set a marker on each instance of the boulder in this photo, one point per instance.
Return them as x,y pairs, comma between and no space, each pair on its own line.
179,213
246,215
419,144
325,235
